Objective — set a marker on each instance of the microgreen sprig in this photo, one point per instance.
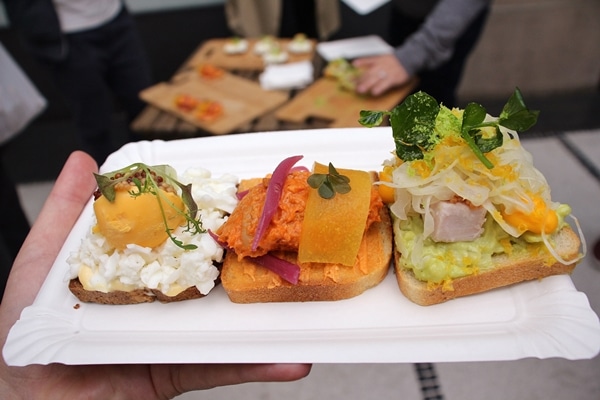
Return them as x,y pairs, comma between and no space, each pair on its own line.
329,184
148,183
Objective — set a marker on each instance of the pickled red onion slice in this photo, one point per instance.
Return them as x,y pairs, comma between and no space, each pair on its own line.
299,168
240,195
273,196
216,238
286,270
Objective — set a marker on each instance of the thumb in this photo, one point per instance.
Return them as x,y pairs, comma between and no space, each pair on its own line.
67,198
185,378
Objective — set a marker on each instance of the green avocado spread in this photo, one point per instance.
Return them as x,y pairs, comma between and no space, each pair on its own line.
439,263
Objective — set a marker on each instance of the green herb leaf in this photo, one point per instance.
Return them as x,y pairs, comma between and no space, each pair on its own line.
188,199
106,186
413,124
326,190
486,145
473,120
342,186
372,118
515,115
138,185
316,180
473,116
469,138
341,183
329,184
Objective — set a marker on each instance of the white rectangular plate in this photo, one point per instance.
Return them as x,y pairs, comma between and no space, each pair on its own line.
542,319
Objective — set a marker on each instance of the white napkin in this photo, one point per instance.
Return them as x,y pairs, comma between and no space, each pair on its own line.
287,76
355,47
363,7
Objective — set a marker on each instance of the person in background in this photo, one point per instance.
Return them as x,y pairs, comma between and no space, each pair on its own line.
432,41
14,225
69,195
20,103
283,18
92,49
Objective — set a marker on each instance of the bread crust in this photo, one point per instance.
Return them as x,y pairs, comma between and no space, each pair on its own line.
246,282
508,270
120,297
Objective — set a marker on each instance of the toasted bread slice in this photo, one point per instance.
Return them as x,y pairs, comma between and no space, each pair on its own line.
508,270
247,282
137,296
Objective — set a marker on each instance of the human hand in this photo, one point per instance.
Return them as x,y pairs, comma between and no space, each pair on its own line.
72,190
380,73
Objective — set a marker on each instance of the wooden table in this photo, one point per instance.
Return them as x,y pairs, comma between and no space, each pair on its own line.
309,108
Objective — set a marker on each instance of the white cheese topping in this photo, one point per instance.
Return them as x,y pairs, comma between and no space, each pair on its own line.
168,267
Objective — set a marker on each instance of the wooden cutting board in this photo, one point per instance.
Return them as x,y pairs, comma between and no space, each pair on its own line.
324,99
243,100
211,52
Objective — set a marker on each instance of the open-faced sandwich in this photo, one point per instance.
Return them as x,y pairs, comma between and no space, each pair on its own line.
150,236
342,71
202,109
275,55
471,212
300,44
235,45
209,71
264,44
298,236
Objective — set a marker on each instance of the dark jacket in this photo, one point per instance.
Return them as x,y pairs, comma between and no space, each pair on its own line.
39,27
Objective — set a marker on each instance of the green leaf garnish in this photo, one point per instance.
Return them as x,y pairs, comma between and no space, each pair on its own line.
371,118
471,132
106,186
329,184
515,115
414,121
146,179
